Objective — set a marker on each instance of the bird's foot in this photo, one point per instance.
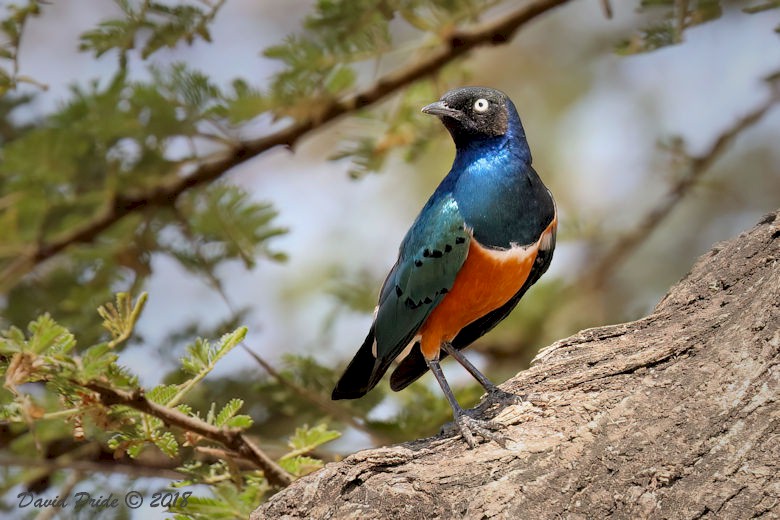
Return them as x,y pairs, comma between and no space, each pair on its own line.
469,427
504,397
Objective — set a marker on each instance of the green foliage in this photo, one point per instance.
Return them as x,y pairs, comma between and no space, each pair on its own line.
244,103
356,292
226,210
150,26
317,61
44,335
11,28
228,501
47,354
307,439
228,418
237,499
765,6
304,441
105,142
674,18
285,405
113,140
397,127
119,320
342,38
203,356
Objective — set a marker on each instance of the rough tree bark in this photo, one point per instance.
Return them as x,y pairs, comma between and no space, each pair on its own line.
672,416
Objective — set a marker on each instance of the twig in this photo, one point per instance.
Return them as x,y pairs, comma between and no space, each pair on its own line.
233,439
698,166
606,6
459,43
326,405
219,454
681,15
208,273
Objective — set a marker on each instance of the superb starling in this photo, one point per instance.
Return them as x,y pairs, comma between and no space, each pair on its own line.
483,238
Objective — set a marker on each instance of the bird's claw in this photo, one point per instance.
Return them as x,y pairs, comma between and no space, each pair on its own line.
468,427
504,397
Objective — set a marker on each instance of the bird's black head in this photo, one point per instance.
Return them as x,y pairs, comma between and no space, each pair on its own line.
475,113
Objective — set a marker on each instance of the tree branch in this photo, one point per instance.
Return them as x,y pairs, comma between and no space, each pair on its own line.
697,167
232,439
457,44
220,454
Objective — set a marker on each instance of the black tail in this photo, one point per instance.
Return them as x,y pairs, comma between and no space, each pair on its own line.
362,374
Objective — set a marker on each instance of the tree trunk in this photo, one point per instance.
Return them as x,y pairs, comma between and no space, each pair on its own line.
672,416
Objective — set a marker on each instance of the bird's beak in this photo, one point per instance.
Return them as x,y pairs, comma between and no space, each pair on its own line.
441,109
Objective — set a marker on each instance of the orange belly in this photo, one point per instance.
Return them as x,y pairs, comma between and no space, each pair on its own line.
485,282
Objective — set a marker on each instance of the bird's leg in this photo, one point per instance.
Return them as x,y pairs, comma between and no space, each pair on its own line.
490,388
479,376
467,425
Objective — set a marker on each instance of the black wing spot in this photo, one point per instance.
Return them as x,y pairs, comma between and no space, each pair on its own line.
398,291
460,240
413,304
437,254
444,290
428,300
447,248
427,252
418,263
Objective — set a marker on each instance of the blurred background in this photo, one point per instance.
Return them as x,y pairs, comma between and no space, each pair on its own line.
616,120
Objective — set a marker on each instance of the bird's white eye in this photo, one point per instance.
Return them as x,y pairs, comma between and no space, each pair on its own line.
481,105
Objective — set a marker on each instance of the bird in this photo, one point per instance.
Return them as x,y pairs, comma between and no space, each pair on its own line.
483,238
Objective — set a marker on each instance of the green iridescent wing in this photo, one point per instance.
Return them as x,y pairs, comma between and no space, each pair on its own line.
429,260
